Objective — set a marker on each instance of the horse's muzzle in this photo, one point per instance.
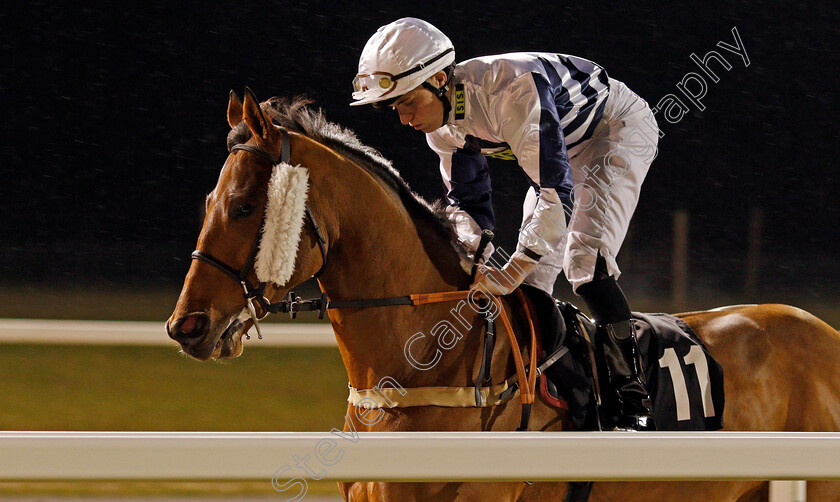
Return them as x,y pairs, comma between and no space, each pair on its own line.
189,330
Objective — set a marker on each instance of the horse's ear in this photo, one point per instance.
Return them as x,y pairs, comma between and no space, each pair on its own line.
256,119
234,112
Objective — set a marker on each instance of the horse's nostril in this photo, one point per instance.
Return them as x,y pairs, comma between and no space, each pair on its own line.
188,324
190,327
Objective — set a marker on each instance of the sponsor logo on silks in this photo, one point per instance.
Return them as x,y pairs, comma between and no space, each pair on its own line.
460,102
506,154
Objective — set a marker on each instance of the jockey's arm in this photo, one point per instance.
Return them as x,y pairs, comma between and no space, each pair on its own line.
466,176
532,129
467,179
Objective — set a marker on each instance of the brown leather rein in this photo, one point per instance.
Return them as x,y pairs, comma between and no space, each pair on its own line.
294,304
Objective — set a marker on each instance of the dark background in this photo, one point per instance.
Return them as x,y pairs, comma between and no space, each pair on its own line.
114,127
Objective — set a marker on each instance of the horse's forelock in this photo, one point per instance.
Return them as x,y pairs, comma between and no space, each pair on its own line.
283,112
293,113
238,135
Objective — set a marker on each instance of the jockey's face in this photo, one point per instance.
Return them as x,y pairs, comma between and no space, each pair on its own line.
420,109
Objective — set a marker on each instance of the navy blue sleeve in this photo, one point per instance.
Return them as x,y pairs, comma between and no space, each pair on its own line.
470,187
555,171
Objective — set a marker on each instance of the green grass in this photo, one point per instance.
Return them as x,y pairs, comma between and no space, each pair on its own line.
88,388
212,490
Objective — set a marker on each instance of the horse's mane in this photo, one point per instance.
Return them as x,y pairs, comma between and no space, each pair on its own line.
295,115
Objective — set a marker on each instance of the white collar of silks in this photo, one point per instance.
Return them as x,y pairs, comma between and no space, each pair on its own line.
284,214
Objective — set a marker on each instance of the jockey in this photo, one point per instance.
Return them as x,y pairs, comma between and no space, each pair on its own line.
571,128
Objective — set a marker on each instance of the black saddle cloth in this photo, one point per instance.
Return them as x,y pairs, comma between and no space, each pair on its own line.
684,380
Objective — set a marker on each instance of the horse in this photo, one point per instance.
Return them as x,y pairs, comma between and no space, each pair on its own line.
366,235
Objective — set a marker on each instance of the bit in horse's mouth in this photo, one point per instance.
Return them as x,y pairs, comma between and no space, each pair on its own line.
229,332
229,344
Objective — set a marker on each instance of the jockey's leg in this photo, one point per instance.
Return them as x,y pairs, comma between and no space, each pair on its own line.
608,172
616,339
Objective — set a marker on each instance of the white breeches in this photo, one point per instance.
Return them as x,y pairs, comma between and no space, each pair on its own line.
608,171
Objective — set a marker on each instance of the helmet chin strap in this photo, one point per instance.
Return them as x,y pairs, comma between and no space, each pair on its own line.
441,95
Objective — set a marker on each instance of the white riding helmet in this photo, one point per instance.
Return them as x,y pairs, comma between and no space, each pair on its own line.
399,57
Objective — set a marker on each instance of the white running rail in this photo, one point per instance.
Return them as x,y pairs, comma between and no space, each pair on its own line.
393,456
424,456
297,334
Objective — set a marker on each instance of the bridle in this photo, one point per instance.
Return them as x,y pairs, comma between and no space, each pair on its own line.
256,293
294,304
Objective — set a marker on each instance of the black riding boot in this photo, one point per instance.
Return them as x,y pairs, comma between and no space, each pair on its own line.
626,375
627,403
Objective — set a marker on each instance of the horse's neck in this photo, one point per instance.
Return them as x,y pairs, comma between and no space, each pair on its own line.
379,251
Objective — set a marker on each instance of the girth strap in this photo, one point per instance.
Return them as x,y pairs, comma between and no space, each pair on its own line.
526,376
449,397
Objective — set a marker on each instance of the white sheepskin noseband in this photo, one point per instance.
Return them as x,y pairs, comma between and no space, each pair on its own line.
284,212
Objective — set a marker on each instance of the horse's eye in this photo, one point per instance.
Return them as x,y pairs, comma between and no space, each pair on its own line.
243,211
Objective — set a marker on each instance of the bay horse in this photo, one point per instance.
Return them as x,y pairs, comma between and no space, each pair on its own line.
366,235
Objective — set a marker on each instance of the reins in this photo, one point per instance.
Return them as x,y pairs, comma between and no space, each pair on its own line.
525,380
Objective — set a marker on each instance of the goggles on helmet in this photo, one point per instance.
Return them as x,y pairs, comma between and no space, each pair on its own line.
387,81
376,80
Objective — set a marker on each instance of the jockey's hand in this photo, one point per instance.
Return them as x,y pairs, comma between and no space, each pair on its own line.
504,281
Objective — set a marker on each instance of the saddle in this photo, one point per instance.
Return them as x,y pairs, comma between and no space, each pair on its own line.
684,381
